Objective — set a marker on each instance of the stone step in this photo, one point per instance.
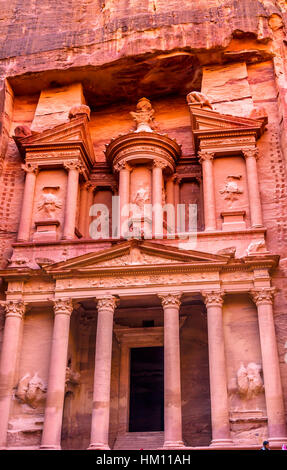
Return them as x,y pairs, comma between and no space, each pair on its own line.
139,440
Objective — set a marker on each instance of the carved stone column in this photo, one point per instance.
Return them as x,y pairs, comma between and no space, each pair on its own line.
51,437
206,159
31,170
15,310
84,209
172,381
102,376
251,156
263,298
74,168
90,202
157,168
217,370
176,182
124,193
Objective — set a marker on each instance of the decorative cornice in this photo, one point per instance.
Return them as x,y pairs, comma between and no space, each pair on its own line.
171,299
264,295
63,306
107,303
213,298
14,308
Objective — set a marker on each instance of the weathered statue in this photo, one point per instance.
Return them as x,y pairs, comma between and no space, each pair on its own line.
249,380
49,204
231,189
198,98
31,390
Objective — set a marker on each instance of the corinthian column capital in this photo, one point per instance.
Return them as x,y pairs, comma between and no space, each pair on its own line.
205,155
63,306
122,165
157,163
74,165
30,167
107,303
171,299
14,308
264,295
213,298
251,152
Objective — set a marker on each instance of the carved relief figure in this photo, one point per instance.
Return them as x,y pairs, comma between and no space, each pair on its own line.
231,189
49,202
198,98
144,116
31,390
141,198
258,246
249,381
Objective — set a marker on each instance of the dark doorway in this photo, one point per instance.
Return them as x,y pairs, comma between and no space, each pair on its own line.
146,390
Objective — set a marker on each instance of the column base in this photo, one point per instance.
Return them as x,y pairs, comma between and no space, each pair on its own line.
98,446
221,442
276,442
50,447
173,445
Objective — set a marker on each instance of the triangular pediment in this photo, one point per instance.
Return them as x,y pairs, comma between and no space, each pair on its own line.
75,131
132,254
207,120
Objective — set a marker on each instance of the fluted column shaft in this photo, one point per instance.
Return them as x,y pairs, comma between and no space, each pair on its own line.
31,170
102,375
74,168
217,369
206,159
251,156
124,193
157,186
84,209
172,380
263,298
51,437
15,311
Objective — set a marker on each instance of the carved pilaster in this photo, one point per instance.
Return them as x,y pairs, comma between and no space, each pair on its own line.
63,306
213,298
264,295
170,300
107,303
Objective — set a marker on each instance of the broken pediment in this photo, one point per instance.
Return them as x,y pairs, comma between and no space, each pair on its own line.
207,124
134,254
72,135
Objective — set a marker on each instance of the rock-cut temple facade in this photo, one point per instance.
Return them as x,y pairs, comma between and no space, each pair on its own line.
143,224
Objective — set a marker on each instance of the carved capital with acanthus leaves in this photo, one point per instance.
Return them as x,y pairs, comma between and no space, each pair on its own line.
157,163
63,306
204,156
122,165
171,299
74,165
30,167
263,295
107,303
251,152
14,308
213,298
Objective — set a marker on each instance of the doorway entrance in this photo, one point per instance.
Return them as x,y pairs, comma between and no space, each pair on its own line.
146,389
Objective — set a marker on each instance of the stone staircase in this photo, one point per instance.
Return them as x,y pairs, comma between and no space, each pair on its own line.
139,440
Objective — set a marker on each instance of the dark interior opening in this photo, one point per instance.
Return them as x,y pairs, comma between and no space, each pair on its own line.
146,390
